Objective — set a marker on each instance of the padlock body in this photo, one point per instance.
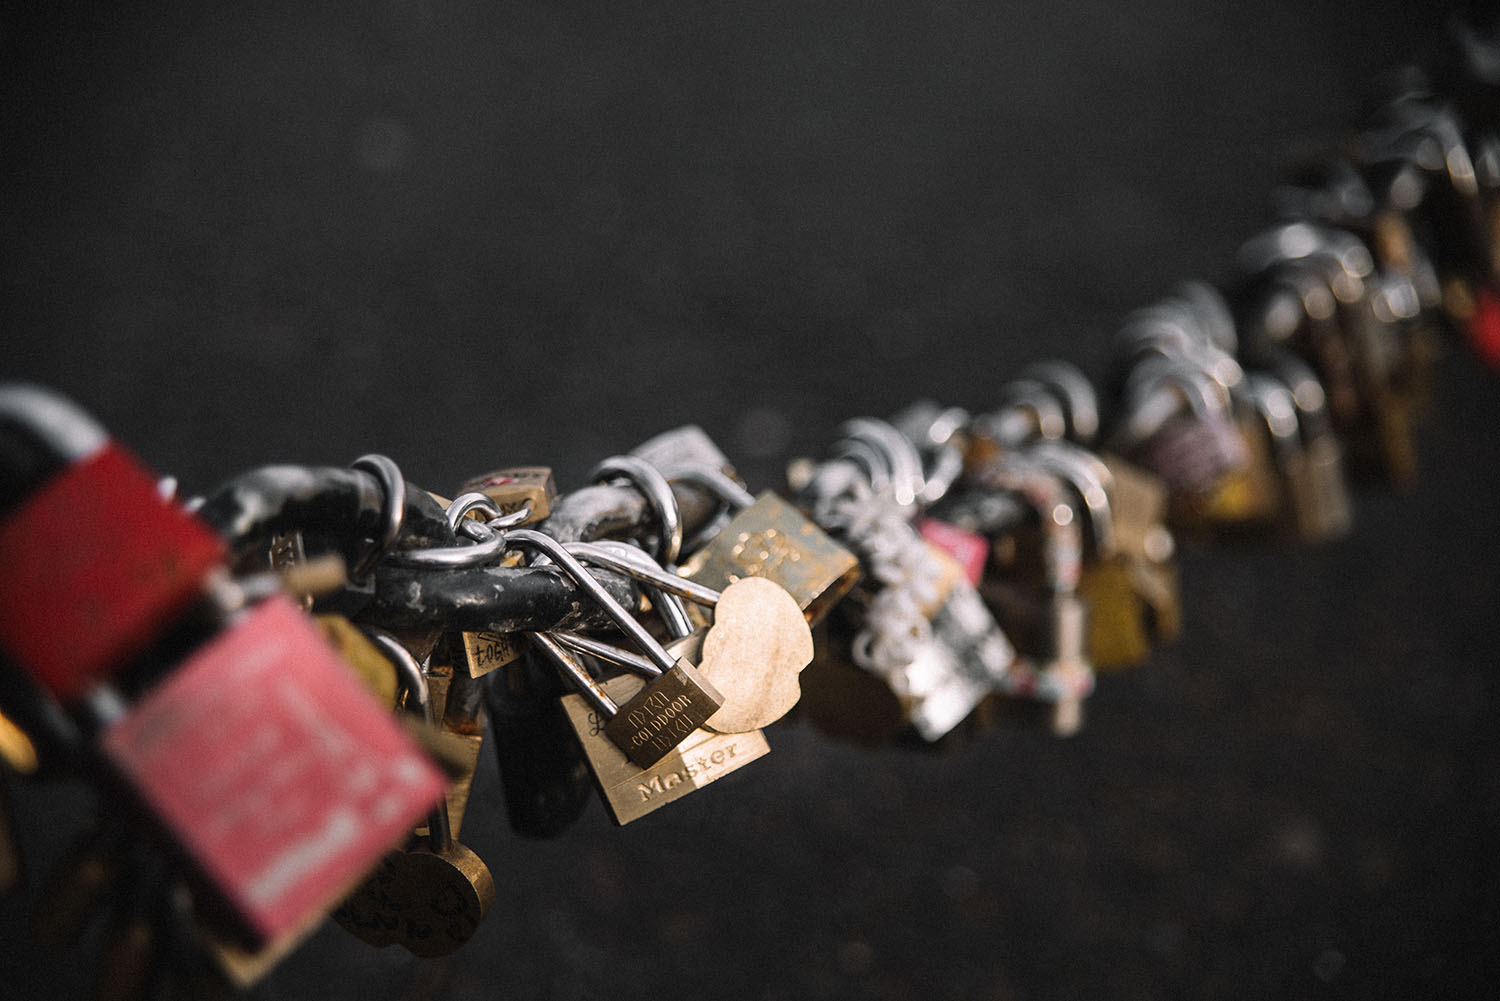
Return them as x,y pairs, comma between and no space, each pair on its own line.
629,791
272,768
772,539
93,567
663,714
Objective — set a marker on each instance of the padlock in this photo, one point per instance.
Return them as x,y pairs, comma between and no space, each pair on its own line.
773,539
431,897
1043,613
665,712
688,455
530,487
1138,502
544,779
1118,632
921,629
1318,487
753,651
276,845
942,437
1074,391
1181,426
458,706
1131,587
94,564
629,791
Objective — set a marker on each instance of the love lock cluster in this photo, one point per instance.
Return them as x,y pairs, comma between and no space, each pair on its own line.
282,690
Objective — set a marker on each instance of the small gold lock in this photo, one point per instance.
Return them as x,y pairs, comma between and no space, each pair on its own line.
630,792
772,539
517,487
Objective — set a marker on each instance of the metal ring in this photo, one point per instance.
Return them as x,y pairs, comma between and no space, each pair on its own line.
453,557
658,493
471,501
392,511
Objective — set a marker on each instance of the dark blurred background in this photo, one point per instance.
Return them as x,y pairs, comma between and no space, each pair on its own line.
471,235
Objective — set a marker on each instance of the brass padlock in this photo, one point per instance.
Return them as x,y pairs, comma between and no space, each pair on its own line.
530,487
669,709
772,539
458,706
1290,399
630,791
753,651
1118,633
430,897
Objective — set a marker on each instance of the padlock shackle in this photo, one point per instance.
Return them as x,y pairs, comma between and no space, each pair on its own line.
657,491
650,574
1077,394
1090,480
411,677
901,461
627,624
1277,411
618,656
645,571
55,422
574,673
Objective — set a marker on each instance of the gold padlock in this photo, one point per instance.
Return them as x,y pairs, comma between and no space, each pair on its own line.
666,711
628,791
428,898
516,488
772,539
1133,594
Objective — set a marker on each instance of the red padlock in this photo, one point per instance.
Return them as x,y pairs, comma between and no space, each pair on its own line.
94,564
276,773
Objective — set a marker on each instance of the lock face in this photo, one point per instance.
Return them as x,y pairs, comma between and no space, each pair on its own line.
92,566
772,539
630,791
269,764
663,714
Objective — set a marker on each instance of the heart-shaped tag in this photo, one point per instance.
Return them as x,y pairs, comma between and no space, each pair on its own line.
753,653
427,903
